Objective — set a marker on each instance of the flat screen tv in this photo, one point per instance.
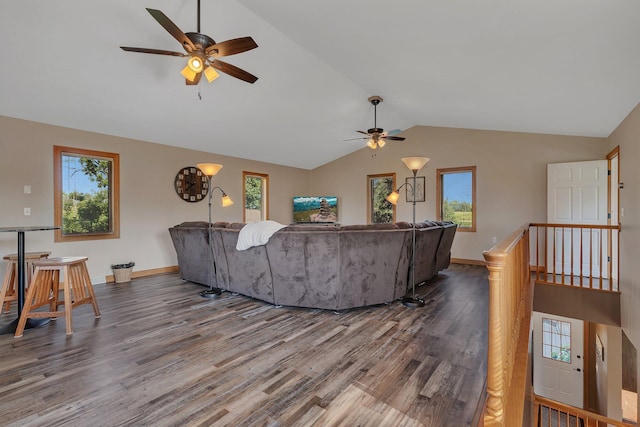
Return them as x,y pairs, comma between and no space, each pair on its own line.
315,209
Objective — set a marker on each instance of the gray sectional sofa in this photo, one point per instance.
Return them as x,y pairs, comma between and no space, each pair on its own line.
326,266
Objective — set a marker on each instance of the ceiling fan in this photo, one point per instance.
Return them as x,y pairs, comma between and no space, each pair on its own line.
202,51
376,136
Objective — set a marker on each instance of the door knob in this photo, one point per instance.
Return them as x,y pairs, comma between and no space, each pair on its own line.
578,369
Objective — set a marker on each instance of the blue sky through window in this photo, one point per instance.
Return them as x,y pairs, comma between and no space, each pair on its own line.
74,179
457,186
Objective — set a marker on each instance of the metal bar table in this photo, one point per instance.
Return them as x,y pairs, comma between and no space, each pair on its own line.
31,323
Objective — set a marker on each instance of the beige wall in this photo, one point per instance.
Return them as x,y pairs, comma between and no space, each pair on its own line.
608,375
148,202
627,137
511,185
511,176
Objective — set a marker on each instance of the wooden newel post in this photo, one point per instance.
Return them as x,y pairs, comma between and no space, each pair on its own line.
496,362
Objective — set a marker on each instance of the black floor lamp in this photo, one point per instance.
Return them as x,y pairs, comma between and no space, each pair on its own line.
210,169
414,164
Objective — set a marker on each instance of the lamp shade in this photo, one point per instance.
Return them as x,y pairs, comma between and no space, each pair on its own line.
226,200
393,197
209,169
415,163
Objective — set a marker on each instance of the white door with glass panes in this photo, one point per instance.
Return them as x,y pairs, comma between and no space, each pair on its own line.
558,359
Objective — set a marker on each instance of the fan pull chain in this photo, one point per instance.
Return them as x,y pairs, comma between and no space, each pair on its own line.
199,96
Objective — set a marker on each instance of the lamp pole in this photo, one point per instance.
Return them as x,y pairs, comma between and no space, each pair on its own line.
210,169
212,292
412,301
414,164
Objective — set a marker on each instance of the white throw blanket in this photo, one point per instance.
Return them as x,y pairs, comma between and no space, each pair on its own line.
257,233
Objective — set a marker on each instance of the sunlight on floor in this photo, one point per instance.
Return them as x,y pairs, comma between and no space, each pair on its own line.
629,406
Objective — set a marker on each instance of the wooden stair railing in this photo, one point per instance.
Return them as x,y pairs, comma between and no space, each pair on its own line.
575,255
510,400
510,305
559,414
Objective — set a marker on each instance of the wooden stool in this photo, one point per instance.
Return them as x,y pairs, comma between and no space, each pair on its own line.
44,290
8,292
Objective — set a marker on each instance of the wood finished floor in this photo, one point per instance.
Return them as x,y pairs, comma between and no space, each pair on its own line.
163,356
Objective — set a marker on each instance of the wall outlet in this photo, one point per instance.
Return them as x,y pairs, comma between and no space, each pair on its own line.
27,189
494,240
27,211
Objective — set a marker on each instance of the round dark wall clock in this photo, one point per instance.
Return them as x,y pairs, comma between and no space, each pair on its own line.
191,184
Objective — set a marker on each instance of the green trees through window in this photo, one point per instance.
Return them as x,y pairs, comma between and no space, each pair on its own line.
456,196
458,212
379,187
255,194
85,194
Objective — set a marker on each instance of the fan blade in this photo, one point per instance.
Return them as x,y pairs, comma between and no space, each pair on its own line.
353,139
362,132
231,47
195,81
155,51
173,29
394,138
233,71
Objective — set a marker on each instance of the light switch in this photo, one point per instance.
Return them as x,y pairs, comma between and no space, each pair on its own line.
27,190
27,211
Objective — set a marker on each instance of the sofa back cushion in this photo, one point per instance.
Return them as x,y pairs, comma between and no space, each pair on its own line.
443,254
247,271
305,266
373,266
427,242
192,250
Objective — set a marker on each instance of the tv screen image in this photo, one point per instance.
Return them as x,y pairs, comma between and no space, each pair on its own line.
308,209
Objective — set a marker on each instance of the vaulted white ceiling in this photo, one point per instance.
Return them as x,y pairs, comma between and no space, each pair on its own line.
564,67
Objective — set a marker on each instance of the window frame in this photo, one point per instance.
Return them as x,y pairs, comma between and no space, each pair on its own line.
439,199
114,191
370,178
265,194
548,336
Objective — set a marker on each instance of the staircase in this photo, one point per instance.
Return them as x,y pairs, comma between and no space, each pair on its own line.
567,258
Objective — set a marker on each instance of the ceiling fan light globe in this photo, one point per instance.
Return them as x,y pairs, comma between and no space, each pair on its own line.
211,74
195,64
381,142
372,144
188,73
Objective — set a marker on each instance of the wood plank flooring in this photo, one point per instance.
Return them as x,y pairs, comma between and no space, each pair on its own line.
163,356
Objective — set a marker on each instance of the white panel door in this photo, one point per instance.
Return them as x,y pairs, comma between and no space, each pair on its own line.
558,361
613,207
577,194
